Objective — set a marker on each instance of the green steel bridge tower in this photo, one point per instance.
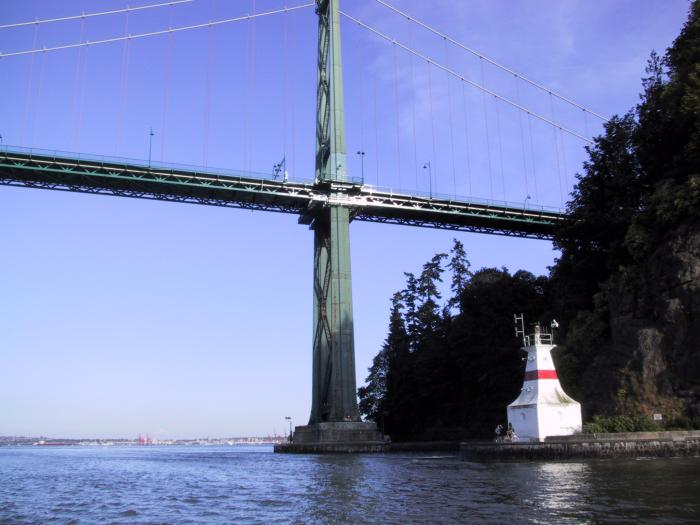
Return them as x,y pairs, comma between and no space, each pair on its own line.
335,422
334,394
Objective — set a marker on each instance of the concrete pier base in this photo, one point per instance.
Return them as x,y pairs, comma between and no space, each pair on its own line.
335,438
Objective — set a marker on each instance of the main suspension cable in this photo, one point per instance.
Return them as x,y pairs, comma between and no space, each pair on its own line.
491,61
464,79
89,15
156,33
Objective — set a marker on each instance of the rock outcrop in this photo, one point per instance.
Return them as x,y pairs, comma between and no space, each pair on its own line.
655,328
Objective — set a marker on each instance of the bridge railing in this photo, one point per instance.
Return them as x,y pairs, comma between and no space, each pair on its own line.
368,189
371,188
152,165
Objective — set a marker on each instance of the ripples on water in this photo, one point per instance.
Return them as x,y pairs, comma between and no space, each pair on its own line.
253,485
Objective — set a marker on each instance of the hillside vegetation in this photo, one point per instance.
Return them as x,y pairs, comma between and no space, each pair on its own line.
625,288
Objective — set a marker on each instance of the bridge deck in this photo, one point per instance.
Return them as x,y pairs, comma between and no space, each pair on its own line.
129,178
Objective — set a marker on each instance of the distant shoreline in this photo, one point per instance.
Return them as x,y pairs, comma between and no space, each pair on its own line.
139,442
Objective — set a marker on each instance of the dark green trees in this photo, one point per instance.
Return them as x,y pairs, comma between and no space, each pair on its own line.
626,288
626,285
449,367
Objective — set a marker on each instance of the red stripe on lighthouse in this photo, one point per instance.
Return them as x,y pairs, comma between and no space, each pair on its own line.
540,374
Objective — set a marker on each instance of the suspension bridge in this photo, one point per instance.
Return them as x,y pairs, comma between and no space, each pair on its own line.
328,196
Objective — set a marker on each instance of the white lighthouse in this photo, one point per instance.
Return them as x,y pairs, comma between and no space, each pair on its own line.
542,409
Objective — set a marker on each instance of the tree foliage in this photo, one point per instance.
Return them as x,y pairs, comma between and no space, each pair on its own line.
449,368
640,188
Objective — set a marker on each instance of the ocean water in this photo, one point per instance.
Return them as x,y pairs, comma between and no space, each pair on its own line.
253,485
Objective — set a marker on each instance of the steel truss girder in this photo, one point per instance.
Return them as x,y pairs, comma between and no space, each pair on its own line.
59,173
137,181
452,227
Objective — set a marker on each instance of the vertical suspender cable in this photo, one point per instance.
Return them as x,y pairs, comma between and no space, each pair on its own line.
500,147
332,120
123,86
166,92
294,96
253,71
376,129
398,125
207,103
522,135
83,82
466,141
486,126
532,153
556,148
285,96
565,167
413,104
37,106
433,168
452,136
30,83
249,94
166,86
362,99
76,89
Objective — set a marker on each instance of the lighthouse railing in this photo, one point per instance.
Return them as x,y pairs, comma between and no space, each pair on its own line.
541,338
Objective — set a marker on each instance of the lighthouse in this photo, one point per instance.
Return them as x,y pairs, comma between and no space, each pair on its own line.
543,408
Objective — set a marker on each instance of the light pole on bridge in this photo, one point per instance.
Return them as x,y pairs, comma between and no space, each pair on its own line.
362,164
150,146
430,177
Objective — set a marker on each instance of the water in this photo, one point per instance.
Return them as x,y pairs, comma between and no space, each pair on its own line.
253,485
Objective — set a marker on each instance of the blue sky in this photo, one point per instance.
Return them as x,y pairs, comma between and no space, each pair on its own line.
123,316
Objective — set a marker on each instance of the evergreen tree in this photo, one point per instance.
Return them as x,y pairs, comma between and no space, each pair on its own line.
449,372
460,266
428,312
383,388
640,187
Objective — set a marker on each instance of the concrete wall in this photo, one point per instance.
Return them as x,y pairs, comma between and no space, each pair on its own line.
642,444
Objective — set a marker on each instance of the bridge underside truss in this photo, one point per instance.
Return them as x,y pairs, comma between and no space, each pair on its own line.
124,179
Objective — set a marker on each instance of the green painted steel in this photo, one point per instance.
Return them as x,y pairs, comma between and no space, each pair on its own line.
333,390
188,184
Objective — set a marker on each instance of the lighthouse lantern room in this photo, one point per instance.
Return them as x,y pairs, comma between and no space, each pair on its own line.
543,408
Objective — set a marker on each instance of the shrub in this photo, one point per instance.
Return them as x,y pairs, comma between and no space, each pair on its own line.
612,424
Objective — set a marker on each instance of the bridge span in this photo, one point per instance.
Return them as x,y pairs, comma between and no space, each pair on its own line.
140,179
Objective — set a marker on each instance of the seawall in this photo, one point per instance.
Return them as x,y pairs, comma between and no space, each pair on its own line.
584,446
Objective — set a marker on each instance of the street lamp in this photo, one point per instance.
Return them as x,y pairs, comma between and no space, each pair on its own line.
526,199
150,147
362,164
430,176
290,427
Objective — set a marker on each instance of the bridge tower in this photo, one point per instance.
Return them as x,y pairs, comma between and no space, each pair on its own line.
334,424
333,395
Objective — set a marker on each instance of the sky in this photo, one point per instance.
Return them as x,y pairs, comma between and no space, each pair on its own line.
124,316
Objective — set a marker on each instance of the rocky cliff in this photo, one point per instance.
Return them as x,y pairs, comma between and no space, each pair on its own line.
655,329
